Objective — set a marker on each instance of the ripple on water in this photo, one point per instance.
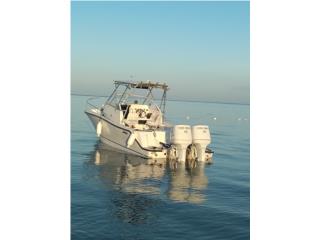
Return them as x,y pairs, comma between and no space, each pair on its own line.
115,196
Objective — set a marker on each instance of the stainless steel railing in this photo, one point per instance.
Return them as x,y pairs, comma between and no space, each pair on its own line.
95,105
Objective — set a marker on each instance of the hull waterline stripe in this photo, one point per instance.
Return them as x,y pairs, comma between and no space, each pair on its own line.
140,154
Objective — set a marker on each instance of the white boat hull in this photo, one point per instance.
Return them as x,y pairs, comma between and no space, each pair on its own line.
116,137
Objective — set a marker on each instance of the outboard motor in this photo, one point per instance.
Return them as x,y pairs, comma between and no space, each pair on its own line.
181,137
201,139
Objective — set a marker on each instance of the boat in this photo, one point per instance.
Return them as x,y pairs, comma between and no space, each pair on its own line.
132,120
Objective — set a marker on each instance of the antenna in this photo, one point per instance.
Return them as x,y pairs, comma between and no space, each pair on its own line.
131,77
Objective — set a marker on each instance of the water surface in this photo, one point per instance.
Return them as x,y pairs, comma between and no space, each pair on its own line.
117,196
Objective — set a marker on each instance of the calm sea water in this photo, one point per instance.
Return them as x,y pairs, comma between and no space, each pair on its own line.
116,196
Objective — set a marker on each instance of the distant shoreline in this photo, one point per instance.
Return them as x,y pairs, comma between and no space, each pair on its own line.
172,100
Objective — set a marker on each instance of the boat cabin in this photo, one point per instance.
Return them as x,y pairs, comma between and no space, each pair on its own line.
134,105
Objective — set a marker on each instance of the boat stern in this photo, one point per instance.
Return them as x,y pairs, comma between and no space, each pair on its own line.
158,155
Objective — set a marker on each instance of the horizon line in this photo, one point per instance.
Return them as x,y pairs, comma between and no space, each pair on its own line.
173,100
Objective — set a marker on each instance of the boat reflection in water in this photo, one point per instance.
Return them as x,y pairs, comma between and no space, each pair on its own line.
187,185
128,173
134,175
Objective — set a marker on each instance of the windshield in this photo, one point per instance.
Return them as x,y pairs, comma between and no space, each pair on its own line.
126,93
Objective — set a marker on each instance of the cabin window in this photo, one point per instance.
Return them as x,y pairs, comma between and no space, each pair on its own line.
142,121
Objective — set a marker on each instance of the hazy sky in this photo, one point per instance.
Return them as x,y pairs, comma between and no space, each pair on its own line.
201,49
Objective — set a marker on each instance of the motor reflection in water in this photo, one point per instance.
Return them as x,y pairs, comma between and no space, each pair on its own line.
134,175
187,185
